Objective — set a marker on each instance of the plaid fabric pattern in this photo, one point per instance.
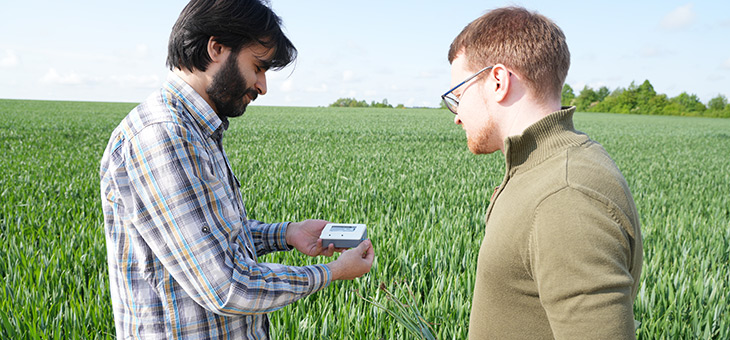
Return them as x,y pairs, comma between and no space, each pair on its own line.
183,257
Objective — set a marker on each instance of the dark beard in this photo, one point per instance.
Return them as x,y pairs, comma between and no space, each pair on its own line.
228,89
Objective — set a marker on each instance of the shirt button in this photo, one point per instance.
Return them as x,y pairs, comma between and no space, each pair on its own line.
206,229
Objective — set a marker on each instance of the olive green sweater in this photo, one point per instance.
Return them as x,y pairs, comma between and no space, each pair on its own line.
562,252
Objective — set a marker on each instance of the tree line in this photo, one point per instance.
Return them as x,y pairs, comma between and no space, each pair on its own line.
635,99
352,102
643,99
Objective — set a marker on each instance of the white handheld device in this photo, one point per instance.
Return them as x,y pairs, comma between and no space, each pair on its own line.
343,235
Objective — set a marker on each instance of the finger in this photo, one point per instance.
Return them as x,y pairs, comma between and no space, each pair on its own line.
330,250
370,255
364,247
317,225
320,249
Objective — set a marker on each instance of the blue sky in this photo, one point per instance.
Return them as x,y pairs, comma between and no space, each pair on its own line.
370,50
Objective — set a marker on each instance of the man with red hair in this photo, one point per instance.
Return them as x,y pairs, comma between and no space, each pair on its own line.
562,251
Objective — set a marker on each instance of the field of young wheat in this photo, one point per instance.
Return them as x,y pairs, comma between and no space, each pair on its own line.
407,174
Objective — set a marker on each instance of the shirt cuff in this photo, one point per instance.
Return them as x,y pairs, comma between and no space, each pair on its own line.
322,277
281,237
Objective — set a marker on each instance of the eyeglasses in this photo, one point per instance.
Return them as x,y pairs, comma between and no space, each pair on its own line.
450,100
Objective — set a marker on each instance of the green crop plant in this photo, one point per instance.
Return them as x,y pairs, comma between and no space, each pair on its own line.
404,309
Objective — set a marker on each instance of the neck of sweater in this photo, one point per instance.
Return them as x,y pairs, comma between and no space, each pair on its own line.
542,139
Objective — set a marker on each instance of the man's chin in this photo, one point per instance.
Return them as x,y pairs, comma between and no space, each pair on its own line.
237,113
232,112
473,149
478,147
239,110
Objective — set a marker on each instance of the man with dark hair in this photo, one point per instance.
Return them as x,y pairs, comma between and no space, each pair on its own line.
562,251
183,256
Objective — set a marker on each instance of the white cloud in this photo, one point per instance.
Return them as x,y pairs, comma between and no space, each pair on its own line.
577,86
137,81
321,89
52,77
9,59
680,17
599,84
348,75
426,75
726,64
715,77
287,85
288,99
141,51
587,56
354,48
651,51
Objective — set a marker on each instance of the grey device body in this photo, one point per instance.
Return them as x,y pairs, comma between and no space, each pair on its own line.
343,235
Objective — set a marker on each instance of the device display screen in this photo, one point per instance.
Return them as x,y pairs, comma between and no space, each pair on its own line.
342,228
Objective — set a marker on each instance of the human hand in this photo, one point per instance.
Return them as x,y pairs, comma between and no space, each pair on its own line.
304,236
353,263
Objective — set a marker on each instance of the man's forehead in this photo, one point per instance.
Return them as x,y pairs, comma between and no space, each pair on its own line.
460,64
261,52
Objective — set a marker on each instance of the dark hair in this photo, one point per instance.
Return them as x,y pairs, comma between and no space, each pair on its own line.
234,24
529,43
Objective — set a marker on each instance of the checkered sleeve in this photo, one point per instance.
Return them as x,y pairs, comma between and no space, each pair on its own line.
182,212
268,237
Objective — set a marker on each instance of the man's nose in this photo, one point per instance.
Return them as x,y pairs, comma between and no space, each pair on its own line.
261,83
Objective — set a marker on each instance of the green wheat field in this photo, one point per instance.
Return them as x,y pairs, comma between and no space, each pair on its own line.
407,174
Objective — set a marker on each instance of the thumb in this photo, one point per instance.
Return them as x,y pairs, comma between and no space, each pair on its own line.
363,248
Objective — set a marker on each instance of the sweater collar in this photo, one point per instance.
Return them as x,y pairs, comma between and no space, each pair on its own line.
542,139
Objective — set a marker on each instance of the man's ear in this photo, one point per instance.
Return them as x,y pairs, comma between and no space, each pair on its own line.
502,85
216,50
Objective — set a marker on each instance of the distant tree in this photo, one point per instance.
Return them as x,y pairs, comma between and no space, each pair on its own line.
349,102
638,99
567,96
690,104
602,93
718,103
718,107
672,109
586,99
384,103
657,104
619,101
352,102
649,102
643,99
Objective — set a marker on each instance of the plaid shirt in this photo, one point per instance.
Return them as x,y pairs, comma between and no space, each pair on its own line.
182,254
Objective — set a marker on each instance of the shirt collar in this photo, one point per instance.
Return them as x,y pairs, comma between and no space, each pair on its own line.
198,108
542,139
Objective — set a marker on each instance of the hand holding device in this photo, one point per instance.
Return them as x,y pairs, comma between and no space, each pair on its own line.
343,235
354,262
